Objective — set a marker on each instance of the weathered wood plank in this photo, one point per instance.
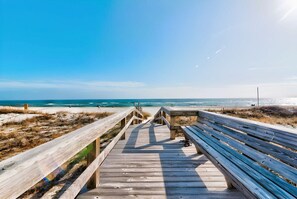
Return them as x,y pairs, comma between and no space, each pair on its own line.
161,192
202,160
284,136
151,151
161,174
280,153
137,170
139,179
214,196
259,125
197,184
162,165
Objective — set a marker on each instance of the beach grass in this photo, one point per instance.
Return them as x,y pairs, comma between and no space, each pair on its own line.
18,136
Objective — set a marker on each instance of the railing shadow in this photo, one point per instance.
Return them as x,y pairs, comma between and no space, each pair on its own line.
178,168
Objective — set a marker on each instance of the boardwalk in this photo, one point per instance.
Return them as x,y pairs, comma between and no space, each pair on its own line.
147,164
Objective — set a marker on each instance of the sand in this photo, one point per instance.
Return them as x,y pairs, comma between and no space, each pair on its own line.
4,118
151,110
13,117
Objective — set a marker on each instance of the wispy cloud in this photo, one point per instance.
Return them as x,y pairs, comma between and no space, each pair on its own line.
287,14
218,51
266,68
255,68
292,78
69,84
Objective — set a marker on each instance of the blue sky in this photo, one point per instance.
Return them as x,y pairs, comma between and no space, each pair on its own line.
147,49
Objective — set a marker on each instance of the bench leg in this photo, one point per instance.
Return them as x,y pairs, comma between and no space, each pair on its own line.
187,141
229,183
198,150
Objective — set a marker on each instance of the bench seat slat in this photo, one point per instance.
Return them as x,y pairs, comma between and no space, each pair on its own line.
280,153
242,162
255,188
285,170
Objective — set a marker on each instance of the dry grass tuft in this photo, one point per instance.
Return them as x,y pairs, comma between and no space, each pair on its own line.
145,114
17,111
16,137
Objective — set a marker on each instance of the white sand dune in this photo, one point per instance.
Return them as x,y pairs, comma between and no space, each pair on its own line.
12,117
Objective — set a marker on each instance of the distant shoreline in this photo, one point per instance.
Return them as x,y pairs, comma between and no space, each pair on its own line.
118,103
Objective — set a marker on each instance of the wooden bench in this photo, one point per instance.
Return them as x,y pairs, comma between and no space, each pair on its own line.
258,159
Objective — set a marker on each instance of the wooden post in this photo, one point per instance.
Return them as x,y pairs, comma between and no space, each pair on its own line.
172,129
164,115
137,115
139,121
26,107
133,114
258,97
95,151
123,124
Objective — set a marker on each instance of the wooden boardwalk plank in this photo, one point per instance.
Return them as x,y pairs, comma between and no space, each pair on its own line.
150,165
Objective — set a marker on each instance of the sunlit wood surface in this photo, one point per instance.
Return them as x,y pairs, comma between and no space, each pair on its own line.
147,164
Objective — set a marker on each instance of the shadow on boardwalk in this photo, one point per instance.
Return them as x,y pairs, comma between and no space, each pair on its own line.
150,165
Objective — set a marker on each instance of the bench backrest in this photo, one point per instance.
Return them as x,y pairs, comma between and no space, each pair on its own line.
274,148
278,135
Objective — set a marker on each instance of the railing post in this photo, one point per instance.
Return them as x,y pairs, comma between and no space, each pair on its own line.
172,127
164,115
133,114
95,151
137,115
123,124
159,116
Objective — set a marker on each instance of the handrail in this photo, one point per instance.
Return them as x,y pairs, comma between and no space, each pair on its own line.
21,172
177,112
78,184
172,114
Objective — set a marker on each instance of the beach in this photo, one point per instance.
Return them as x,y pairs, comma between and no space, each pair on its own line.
14,117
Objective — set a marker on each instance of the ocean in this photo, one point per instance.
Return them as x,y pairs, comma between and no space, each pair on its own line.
237,102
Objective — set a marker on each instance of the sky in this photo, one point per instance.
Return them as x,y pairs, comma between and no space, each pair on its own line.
87,49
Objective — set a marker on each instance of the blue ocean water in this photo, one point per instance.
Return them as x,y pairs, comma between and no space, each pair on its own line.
150,102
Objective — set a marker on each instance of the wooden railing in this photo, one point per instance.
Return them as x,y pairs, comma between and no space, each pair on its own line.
169,116
21,172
